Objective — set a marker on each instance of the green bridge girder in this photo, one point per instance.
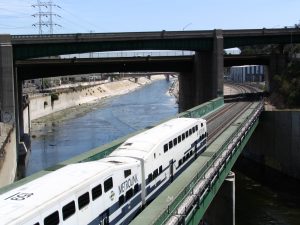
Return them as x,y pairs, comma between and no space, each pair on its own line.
166,204
33,46
195,216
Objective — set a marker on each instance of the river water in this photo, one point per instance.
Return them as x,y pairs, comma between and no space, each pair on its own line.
66,134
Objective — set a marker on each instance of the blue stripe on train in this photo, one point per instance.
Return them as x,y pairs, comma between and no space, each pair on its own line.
128,208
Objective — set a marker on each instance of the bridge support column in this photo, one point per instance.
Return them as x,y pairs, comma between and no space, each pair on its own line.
278,63
207,78
167,77
7,97
222,209
186,91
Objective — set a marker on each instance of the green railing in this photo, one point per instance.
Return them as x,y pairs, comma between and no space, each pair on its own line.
203,109
200,175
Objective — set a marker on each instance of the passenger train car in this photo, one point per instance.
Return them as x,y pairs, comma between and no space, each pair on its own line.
111,190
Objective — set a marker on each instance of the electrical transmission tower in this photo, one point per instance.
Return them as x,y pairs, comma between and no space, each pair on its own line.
45,15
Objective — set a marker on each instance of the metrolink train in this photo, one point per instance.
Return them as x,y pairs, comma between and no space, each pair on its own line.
111,190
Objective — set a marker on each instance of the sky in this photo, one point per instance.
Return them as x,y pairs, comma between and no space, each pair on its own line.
99,16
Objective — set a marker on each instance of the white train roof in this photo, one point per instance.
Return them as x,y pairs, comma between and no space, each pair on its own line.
48,188
142,144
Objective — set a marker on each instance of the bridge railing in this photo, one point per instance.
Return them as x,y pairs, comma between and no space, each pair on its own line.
203,109
243,128
120,54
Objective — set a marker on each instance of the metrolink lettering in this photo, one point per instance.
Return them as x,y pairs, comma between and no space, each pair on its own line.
128,184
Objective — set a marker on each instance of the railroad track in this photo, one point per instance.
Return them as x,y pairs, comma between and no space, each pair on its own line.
222,119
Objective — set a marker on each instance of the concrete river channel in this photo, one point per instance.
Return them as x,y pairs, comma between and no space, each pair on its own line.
66,134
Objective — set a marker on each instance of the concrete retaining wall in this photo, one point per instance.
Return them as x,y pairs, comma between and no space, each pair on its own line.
43,105
276,142
8,159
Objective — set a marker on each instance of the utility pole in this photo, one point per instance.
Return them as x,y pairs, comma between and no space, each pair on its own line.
45,15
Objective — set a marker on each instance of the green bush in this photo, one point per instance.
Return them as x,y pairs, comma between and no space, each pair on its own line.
54,97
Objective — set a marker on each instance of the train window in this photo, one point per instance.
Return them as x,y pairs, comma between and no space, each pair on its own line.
183,136
201,124
170,144
180,162
136,189
190,132
52,219
68,210
154,155
83,200
196,127
175,141
186,134
160,169
155,173
166,148
96,192
179,138
108,184
150,177
127,173
121,200
129,194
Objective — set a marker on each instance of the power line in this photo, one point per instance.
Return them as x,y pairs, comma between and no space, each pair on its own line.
45,12
82,20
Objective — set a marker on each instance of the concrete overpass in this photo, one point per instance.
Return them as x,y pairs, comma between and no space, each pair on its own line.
41,68
32,46
202,83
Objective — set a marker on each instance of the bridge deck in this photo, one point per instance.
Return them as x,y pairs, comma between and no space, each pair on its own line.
167,199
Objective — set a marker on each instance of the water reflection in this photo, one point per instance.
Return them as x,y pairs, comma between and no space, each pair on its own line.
265,197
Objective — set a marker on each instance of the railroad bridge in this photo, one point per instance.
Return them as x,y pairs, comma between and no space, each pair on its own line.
206,189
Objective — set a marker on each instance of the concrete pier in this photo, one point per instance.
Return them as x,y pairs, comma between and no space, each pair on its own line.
222,209
277,65
7,98
206,80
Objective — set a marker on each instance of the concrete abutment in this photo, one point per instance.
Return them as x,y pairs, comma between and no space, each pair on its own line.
276,142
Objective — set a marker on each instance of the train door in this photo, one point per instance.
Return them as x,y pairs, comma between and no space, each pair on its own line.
195,150
104,218
171,170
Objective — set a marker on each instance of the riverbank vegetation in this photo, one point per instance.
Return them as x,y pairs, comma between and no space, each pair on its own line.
286,86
